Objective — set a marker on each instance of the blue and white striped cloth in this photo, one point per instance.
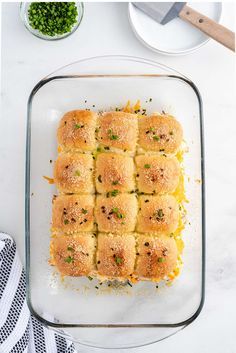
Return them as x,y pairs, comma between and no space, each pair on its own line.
20,332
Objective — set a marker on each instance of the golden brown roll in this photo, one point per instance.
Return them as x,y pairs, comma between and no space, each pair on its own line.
158,214
115,255
77,130
161,133
157,174
73,173
114,171
118,130
116,213
156,256
73,213
74,255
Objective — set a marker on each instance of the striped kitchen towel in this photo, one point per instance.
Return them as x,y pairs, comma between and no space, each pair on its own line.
20,332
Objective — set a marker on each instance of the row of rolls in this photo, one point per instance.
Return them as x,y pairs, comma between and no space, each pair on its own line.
117,210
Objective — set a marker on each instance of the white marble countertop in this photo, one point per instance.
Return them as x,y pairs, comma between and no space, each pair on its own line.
105,30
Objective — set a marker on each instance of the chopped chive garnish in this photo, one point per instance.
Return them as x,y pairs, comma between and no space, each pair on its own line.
115,210
118,260
147,166
77,173
159,214
112,136
90,278
156,138
160,259
66,221
69,259
52,18
69,248
84,211
112,193
119,215
78,126
115,182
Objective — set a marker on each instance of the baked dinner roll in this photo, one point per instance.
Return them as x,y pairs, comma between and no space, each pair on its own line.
73,213
74,255
116,213
118,130
73,173
115,255
159,214
161,133
77,130
157,173
156,256
114,171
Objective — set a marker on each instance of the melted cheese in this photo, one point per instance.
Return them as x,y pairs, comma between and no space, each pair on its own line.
129,108
49,180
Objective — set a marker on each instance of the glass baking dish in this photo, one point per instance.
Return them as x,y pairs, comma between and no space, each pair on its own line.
126,316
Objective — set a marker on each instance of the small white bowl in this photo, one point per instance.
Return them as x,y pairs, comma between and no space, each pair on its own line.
176,37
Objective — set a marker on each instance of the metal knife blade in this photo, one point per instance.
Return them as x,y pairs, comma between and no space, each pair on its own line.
162,12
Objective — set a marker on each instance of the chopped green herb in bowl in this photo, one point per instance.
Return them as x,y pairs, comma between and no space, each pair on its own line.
51,20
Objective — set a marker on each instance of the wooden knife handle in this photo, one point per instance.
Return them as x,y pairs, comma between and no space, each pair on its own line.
209,27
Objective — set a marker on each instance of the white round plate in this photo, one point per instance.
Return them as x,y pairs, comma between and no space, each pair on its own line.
176,37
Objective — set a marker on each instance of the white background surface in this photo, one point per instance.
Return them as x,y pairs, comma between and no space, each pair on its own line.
105,30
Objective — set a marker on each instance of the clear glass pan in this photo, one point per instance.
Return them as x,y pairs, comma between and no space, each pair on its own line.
108,318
